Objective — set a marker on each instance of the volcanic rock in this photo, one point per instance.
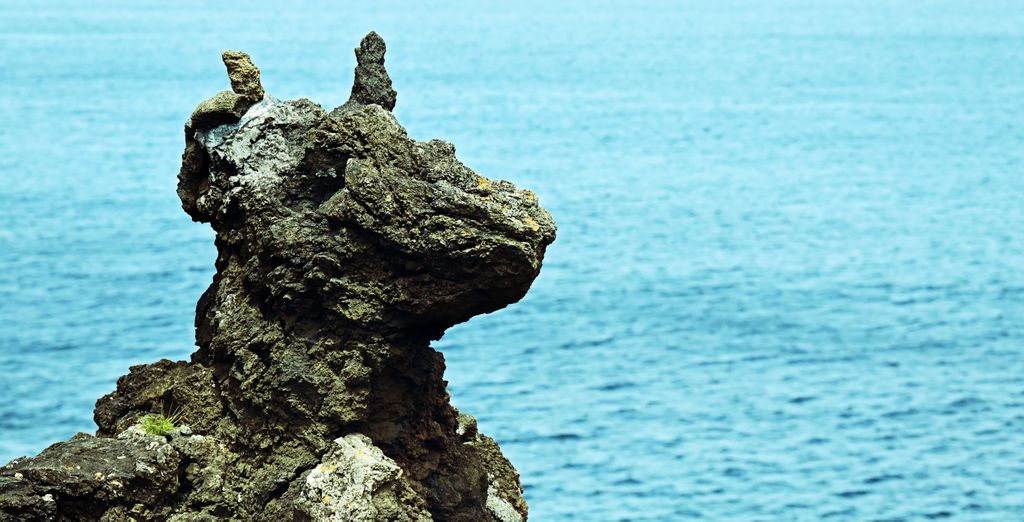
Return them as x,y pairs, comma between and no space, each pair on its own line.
244,75
372,83
344,248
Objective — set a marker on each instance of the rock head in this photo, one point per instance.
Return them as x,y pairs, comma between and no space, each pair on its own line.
344,248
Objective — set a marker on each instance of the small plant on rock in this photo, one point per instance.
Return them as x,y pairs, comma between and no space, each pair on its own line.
159,423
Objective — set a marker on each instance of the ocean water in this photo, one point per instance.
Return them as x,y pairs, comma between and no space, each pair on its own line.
789,278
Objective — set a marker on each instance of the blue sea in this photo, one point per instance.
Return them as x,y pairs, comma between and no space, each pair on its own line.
789,276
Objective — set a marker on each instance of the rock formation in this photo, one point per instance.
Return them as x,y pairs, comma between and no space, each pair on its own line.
344,248
372,83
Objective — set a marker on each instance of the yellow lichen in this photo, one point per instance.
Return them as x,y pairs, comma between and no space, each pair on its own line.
533,224
326,500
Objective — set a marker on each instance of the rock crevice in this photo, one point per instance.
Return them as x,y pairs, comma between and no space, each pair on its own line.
344,247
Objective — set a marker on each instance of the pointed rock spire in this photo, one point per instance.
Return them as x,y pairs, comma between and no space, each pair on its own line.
372,84
244,75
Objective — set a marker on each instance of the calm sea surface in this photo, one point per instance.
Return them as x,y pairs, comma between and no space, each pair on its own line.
789,278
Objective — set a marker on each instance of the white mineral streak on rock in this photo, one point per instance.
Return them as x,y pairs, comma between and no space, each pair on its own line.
356,482
261,157
212,138
499,507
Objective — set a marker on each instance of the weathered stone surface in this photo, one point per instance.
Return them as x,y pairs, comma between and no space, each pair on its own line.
244,75
372,83
224,107
356,482
344,247
87,478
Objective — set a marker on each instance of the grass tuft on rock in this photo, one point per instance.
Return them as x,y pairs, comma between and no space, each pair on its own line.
159,423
